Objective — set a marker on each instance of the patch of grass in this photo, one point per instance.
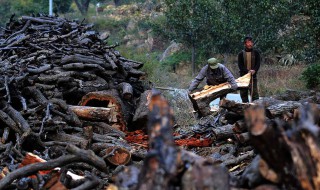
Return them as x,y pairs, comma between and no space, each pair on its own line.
113,25
276,79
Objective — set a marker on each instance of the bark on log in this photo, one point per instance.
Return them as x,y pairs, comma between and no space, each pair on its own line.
140,118
95,113
103,128
240,126
257,173
126,90
278,110
232,117
202,99
85,59
243,137
6,119
234,107
72,139
236,160
223,132
18,118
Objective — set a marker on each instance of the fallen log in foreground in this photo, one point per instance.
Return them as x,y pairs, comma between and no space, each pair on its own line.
202,99
291,151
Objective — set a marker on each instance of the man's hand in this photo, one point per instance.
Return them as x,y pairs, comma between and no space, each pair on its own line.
252,72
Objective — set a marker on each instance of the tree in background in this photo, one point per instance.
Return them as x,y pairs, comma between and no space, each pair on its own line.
61,6
5,12
261,19
219,26
190,22
28,7
303,36
83,6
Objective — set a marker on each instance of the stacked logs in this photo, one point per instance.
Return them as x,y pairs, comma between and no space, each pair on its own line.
66,99
283,134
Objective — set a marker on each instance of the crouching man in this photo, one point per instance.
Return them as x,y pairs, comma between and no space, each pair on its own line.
215,74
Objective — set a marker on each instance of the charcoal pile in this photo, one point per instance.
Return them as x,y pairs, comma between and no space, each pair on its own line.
67,97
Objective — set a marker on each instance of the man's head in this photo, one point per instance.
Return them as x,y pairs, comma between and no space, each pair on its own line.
213,63
248,42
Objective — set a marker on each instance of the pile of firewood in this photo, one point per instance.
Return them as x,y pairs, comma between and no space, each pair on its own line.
66,99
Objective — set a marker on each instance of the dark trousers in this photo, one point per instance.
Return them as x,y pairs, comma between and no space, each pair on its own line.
244,92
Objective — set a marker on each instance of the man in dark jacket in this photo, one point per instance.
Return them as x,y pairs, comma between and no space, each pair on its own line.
249,62
215,73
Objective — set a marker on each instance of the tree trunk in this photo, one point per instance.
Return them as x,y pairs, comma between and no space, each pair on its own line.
193,59
117,3
83,6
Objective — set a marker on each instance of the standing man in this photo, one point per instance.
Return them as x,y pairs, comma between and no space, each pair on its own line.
215,73
249,62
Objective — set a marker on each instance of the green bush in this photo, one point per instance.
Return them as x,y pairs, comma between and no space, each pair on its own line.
311,76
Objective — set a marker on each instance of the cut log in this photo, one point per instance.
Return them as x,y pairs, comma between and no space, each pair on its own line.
223,132
108,99
278,110
116,155
243,137
232,117
234,107
202,99
126,90
96,113
240,126
257,173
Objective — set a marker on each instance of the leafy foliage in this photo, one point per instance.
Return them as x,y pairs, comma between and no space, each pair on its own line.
190,21
311,76
28,7
219,26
